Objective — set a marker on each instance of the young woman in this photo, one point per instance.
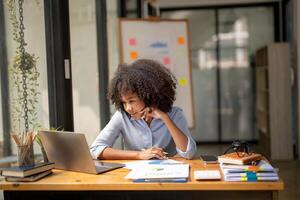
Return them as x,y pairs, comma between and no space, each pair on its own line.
143,94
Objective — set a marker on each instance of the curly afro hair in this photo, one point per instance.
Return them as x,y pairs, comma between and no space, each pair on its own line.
154,84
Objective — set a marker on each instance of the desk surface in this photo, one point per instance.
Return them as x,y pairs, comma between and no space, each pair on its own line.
114,180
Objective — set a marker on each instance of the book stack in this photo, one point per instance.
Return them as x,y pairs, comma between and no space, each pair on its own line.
248,168
27,173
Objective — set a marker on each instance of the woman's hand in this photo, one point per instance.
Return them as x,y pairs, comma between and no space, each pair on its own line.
149,113
153,152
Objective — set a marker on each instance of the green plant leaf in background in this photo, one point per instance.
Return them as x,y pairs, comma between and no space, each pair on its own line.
16,69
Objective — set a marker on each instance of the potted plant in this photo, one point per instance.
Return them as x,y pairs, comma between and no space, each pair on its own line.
23,74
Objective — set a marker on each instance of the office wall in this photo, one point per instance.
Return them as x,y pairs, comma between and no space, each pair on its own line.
35,38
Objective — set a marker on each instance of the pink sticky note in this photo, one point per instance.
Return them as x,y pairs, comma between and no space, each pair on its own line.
132,41
166,60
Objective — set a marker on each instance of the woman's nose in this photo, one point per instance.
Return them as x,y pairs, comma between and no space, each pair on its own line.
128,107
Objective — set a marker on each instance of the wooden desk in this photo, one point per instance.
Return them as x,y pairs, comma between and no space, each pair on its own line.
113,184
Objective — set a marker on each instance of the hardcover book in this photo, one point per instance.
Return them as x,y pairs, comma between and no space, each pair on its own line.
234,158
30,178
24,171
262,166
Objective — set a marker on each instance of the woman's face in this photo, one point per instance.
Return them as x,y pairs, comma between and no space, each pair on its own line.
133,105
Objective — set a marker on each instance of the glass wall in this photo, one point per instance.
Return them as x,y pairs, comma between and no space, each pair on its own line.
113,47
223,44
35,39
112,35
132,9
113,31
204,66
241,32
85,75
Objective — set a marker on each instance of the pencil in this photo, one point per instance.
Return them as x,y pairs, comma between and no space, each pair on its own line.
15,137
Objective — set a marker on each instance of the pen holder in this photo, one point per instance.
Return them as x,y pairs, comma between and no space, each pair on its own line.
25,155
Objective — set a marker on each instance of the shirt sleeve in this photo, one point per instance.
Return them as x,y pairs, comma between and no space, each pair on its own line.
181,122
107,136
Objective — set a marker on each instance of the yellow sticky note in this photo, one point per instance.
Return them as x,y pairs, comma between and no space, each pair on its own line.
133,55
180,40
182,81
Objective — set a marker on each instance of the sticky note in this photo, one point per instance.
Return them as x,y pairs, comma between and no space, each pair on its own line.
180,40
166,60
155,162
182,81
133,55
253,168
132,41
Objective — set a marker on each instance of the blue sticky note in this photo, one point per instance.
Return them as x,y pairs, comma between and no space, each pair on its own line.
155,162
251,176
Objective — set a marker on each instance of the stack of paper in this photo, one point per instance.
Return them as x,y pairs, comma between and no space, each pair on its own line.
160,173
263,171
141,163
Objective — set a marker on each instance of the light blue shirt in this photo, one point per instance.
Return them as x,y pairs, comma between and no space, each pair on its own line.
137,135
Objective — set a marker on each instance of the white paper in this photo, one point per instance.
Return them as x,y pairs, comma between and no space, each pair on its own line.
159,171
142,163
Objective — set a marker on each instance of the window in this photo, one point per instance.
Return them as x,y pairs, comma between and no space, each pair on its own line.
35,39
223,43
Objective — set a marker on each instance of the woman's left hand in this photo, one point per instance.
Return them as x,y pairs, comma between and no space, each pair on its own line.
150,112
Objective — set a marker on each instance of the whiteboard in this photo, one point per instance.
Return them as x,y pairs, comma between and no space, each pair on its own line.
166,41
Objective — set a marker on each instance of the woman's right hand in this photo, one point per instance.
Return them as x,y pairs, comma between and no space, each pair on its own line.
153,152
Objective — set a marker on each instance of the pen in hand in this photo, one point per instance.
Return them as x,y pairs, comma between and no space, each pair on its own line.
157,156
165,155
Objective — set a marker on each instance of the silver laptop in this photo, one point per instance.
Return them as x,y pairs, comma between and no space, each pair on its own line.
70,151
